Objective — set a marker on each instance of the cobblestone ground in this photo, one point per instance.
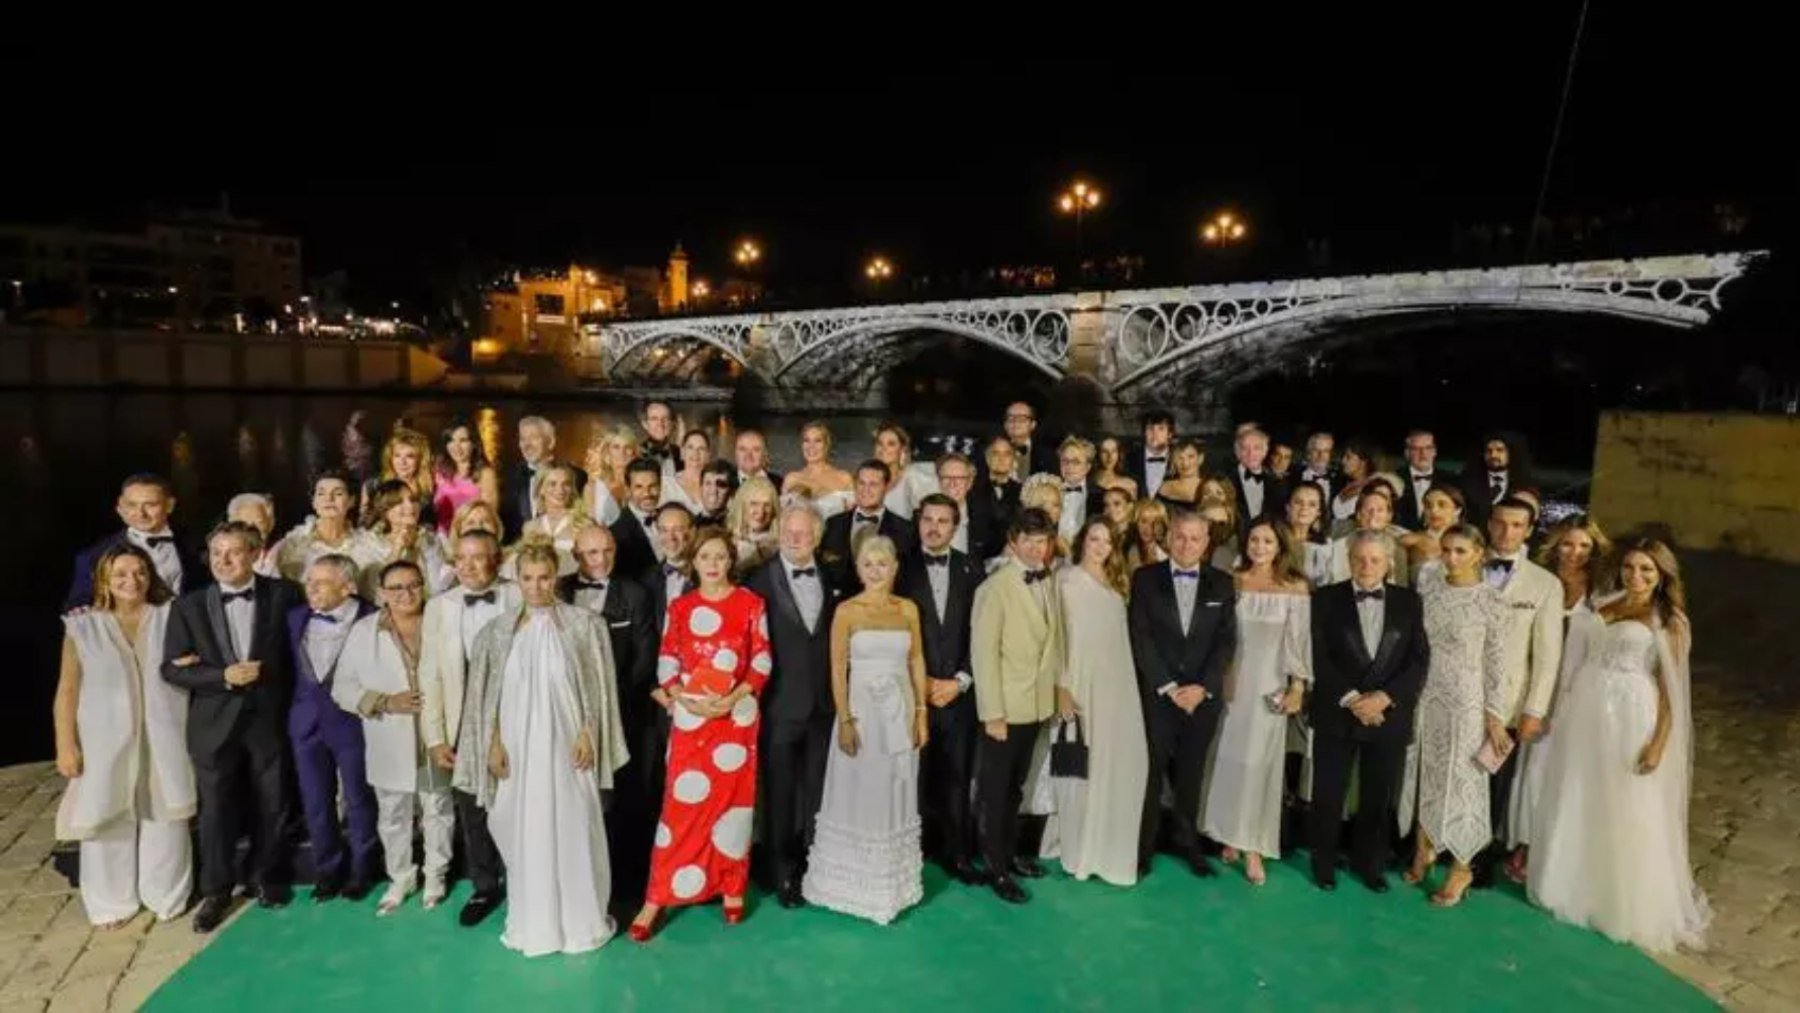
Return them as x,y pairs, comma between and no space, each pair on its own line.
1744,821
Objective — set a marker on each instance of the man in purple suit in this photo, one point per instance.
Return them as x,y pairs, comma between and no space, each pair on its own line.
327,740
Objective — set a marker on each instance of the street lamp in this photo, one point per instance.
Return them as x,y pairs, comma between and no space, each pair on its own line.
1080,198
879,269
1224,229
701,290
747,253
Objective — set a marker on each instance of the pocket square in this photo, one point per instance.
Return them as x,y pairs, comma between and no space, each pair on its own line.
1214,604
621,622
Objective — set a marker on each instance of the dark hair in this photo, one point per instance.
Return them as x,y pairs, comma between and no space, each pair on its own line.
156,592
252,537
716,466
148,478
1031,522
890,426
396,565
477,453
938,499
873,465
714,533
1455,494
1117,574
639,464
332,475
1289,567
387,496
1316,534
1377,488
644,409
1511,502
1155,417
696,432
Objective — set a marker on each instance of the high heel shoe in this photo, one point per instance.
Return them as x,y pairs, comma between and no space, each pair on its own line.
1228,854
734,913
1253,869
641,931
1455,887
1421,864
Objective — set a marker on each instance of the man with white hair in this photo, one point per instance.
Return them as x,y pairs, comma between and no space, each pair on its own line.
537,453
258,511
1260,491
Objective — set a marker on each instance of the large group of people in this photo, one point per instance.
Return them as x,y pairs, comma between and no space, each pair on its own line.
639,684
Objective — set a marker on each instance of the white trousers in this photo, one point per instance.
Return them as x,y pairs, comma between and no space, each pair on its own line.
135,863
394,813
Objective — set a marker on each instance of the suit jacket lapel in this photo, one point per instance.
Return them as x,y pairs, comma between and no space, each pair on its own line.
1390,634
784,595
221,630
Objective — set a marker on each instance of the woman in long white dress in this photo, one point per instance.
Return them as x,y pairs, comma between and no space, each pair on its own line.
1097,696
541,742
1576,550
605,463
866,859
683,486
560,516
121,742
1465,621
908,483
1264,687
828,488
1610,850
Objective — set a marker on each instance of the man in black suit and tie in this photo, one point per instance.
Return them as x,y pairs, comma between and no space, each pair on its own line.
977,529
672,576
636,636
1369,660
537,451
1184,624
1317,467
941,581
999,485
1259,490
868,513
228,646
1421,472
1148,462
752,453
635,530
1505,470
1021,428
797,705
145,503
1081,498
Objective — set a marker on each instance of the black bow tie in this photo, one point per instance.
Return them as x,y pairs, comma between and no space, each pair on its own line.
596,585
1375,595
1503,565
670,569
804,571
1073,488
1422,478
943,560
1164,459
1033,576
862,518
483,597
321,617
1253,476
245,595
1187,574
153,541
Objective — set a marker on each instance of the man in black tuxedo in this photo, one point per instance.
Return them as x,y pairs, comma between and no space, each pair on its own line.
1317,466
797,705
636,635
145,503
537,451
1421,473
752,453
1369,660
1184,624
977,529
869,513
718,483
1021,428
672,576
228,646
1148,461
1505,470
635,530
658,422
999,485
1259,490
1081,498
941,581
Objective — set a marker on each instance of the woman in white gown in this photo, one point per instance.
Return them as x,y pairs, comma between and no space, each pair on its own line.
1576,550
541,742
683,486
121,742
865,858
1610,850
560,516
1097,695
1241,801
908,483
828,488
1465,621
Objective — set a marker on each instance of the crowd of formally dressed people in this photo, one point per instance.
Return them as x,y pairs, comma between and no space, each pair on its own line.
638,684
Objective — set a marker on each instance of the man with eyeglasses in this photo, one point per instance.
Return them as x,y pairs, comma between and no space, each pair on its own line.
1021,427
718,482
976,515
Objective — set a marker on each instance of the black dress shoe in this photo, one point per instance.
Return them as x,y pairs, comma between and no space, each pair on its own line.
274,895
790,896
479,907
327,889
966,873
212,912
1202,868
1375,881
1028,867
1326,882
1008,889
358,888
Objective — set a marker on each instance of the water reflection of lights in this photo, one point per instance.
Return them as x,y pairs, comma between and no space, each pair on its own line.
487,424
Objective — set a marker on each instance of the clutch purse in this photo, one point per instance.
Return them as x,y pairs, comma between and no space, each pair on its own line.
1490,759
1068,751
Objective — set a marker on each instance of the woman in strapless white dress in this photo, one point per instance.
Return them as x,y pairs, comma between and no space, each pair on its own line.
865,858
1611,847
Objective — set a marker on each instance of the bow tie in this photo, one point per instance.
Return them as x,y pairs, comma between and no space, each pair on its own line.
1187,574
1073,488
595,585
1496,478
472,598
670,569
1033,576
1503,565
943,560
1253,476
1422,478
1164,459
803,571
862,518
321,617
1375,595
230,596
155,541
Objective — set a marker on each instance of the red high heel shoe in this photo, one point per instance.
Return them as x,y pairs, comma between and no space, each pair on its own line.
734,915
641,932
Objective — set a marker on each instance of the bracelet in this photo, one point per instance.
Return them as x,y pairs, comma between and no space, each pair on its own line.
919,709
847,720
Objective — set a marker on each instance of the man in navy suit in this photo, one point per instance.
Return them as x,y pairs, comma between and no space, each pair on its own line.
837,549
327,740
145,503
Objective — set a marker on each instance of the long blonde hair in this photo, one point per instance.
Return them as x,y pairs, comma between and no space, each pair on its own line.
423,483
1599,577
755,486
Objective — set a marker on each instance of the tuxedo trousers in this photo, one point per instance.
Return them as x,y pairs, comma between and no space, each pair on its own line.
479,851
1179,747
1001,770
253,758
945,779
637,796
793,772
1380,763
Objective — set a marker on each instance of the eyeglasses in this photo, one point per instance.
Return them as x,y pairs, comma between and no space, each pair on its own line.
404,588
1018,417
957,477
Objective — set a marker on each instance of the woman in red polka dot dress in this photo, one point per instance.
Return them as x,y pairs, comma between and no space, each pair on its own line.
715,662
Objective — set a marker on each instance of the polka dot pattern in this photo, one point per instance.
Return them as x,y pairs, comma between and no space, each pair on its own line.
729,756
731,835
688,881
692,787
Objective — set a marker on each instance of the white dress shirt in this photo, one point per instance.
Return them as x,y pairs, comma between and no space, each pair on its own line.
1498,577
939,576
675,584
1372,614
592,598
1320,479
1074,511
477,615
809,592
1154,471
325,638
1498,483
164,555
1421,484
1186,591
1253,491
240,617
959,539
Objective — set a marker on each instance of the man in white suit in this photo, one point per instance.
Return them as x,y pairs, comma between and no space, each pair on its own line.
1534,640
452,619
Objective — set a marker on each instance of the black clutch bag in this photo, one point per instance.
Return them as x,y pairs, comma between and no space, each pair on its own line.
1068,751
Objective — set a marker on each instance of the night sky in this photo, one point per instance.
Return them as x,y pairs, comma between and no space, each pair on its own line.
1379,135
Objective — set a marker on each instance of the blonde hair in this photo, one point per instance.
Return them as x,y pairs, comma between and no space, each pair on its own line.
537,498
155,591
1083,447
459,522
1597,575
756,487
402,436
823,429
607,438
536,549
1042,491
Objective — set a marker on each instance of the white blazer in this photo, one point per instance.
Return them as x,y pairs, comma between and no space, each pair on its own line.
373,663
1534,641
443,664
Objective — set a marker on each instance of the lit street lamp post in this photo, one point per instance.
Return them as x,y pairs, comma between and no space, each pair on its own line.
878,270
1078,200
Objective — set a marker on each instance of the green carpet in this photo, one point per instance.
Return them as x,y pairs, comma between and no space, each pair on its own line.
1173,942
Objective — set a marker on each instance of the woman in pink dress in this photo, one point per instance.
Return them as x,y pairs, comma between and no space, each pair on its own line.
715,661
463,474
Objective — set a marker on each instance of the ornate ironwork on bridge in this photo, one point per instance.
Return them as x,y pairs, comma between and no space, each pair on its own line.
1134,339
